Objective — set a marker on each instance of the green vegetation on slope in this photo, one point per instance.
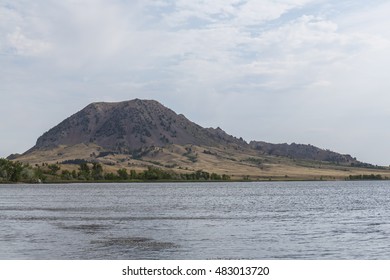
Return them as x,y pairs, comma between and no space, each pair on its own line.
84,171
18,172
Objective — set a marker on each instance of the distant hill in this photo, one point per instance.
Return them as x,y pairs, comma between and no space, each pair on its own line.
127,126
304,152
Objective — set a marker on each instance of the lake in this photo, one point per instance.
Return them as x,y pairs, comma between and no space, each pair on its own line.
259,220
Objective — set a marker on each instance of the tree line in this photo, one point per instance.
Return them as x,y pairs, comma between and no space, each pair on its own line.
95,172
11,171
366,177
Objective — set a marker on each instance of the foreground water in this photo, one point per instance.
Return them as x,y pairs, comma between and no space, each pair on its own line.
288,220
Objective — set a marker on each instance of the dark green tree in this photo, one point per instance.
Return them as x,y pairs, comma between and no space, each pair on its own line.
133,175
53,168
122,173
110,176
66,175
97,171
84,171
16,172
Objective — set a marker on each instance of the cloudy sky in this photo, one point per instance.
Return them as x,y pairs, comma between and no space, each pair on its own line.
282,71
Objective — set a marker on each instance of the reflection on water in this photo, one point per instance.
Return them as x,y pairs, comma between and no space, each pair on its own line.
290,220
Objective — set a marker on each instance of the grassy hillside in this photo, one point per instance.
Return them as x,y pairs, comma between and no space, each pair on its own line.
238,163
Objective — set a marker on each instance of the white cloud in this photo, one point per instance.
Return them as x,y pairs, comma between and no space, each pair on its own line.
293,70
257,12
26,46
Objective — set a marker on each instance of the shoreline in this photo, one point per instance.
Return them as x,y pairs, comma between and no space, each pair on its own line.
184,181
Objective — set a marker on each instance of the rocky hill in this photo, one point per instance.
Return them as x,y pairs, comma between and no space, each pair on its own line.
303,152
141,134
124,127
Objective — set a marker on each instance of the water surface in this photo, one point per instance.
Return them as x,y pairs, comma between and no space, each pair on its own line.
272,220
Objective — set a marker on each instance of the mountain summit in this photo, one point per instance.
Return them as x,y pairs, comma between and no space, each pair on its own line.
123,127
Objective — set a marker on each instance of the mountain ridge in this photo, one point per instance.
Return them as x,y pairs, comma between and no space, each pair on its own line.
123,127
303,151
141,134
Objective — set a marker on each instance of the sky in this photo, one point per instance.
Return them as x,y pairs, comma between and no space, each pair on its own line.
303,71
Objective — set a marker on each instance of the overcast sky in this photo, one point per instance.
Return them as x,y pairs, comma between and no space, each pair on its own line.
303,71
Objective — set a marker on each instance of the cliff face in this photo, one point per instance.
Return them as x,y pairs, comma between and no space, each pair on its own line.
131,125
